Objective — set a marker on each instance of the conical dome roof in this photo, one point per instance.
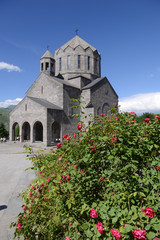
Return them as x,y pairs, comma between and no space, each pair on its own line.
47,54
75,42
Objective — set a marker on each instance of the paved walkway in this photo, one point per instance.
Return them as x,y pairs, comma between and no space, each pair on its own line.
13,180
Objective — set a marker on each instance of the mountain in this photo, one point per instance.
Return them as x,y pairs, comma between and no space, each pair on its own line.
4,115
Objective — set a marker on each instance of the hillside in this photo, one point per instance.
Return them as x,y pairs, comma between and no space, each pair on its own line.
4,115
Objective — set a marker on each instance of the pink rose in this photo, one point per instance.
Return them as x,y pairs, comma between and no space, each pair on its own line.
74,135
93,213
102,179
59,145
156,238
70,223
82,171
79,126
102,114
99,227
67,138
75,166
24,207
158,168
19,226
25,216
66,238
139,234
148,212
132,113
115,233
60,159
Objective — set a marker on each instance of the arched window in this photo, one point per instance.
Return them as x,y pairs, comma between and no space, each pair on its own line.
68,62
105,108
79,61
88,62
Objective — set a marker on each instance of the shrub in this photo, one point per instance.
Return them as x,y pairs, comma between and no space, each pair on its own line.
101,183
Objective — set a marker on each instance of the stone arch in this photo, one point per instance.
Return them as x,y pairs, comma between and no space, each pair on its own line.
56,131
26,131
105,108
38,131
15,131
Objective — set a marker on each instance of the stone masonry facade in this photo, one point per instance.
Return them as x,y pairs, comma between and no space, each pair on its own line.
45,113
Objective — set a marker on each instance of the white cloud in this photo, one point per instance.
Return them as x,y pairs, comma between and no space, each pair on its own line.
141,103
9,102
9,67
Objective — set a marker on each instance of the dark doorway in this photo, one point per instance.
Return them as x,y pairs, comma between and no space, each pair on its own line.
56,129
26,131
38,131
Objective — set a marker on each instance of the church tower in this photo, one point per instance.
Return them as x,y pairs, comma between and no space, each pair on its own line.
78,58
47,64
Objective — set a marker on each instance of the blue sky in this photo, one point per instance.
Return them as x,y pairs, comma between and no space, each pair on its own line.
125,32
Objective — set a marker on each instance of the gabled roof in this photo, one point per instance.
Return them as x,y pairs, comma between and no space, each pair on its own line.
98,80
93,83
47,54
75,42
45,103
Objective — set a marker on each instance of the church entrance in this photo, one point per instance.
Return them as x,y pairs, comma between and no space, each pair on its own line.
38,131
25,131
56,129
15,132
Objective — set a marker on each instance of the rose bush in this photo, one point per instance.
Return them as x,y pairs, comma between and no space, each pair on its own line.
105,180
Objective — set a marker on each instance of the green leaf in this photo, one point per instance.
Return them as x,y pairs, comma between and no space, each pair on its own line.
114,220
151,235
148,227
156,227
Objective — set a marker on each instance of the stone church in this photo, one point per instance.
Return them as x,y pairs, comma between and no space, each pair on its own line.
46,112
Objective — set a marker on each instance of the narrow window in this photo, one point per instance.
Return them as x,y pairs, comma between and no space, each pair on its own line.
95,65
47,66
68,62
52,67
41,66
88,63
41,89
25,107
79,61
60,64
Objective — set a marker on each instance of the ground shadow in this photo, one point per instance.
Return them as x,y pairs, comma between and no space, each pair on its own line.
2,207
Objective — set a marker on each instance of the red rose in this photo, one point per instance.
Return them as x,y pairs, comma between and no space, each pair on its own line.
65,136
102,179
93,213
59,145
102,114
115,233
148,212
158,168
99,227
158,117
19,226
79,126
82,171
147,120
139,234
93,148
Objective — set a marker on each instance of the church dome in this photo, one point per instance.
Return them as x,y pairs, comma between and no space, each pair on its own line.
77,58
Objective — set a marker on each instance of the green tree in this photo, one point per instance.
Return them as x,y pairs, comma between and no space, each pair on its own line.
3,131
